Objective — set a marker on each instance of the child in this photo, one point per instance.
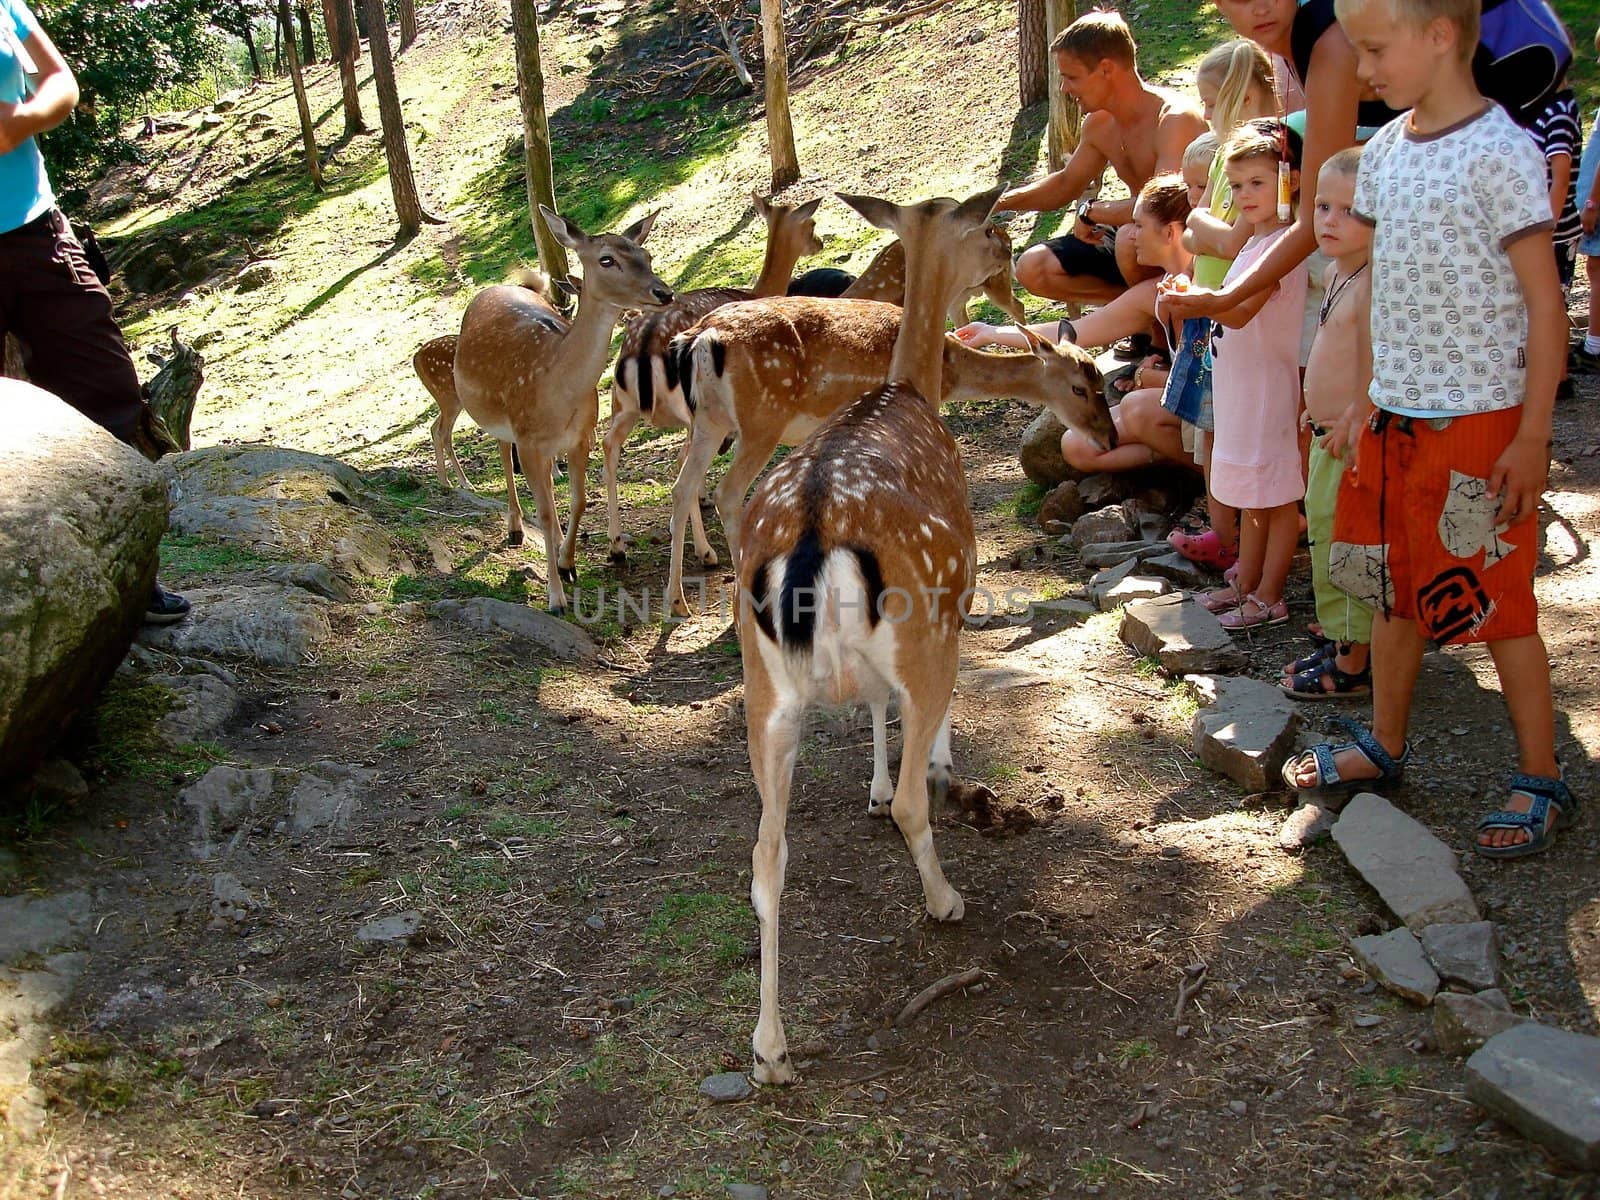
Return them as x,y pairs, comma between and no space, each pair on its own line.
1235,84
1558,132
1436,525
1255,452
1336,403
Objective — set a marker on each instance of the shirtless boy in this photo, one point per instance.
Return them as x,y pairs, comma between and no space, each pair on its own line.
1138,130
1337,377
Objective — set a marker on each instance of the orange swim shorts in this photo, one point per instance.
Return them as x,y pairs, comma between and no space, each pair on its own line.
1414,531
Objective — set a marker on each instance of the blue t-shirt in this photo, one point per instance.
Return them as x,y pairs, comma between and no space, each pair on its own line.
24,187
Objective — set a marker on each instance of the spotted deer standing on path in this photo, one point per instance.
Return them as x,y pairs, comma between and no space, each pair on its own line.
858,559
767,373
643,384
528,376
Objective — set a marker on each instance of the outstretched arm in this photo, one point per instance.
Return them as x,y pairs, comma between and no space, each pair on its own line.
1064,186
54,95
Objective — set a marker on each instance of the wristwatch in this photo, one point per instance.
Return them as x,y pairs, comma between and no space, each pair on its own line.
1083,212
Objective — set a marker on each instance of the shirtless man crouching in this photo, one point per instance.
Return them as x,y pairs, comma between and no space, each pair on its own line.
1139,130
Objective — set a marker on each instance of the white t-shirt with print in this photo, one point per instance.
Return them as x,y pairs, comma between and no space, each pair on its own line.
1449,323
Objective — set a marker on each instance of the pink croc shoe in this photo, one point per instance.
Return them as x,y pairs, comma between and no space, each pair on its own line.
1204,549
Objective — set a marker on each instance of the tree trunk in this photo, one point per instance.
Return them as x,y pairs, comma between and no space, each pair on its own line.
730,39
348,50
408,23
307,132
173,389
406,205
1033,75
277,45
536,136
1065,118
250,44
330,23
308,40
780,130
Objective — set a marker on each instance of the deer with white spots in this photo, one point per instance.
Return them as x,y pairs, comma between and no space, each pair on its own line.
769,372
856,568
644,384
528,376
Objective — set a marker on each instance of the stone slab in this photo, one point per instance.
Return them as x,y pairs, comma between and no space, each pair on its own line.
1104,525
1463,1023
560,638
1248,730
1395,959
1305,826
1466,954
1109,554
1411,870
1183,637
1178,569
1125,591
35,925
1545,1083
272,624
393,930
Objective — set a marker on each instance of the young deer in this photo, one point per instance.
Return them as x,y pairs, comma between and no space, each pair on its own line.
856,574
527,375
644,384
768,372
885,279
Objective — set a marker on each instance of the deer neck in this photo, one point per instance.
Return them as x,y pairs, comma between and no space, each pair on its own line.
587,344
973,375
919,350
776,267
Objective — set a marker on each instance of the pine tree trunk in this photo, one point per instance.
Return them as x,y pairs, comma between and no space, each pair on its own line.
408,23
250,45
330,22
406,205
307,130
1033,76
780,130
349,49
1065,118
536,136
308,40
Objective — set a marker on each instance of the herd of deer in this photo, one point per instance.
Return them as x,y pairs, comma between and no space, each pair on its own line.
856,556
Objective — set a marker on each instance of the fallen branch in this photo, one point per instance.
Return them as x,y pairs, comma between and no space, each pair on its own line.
1194,979
937,991
904,14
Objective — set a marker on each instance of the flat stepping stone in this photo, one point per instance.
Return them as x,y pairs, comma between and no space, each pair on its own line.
727,1087
1180,635
1395,959
272,624
1463,1023
1175,567
1109,554
394,930
1545,1083
1305,826
1467,954
1248,730
551,633
1127,589
1413,872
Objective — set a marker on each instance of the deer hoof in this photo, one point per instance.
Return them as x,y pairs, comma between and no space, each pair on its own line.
880,808
568,574
780,1073
709,558
950,910
619,556
680,609
514,537
557,610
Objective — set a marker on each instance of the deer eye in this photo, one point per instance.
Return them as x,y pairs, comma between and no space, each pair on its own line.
607,261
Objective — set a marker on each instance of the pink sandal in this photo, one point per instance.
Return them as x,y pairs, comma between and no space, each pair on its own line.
1223,600
1204,549
1254,613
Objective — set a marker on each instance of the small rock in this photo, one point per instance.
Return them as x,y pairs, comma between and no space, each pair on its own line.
1247,731
1153,523
1061,507
1183,637
1040,452
1413,871
726,1087
1178,569
26,1113
1306,825
746,1191
393,930
560,638
1463,1023
1100,490
57,782
1109,554
10,866
312,577
1468,954
1101,526
1128,589
1545,1083
1238,1107
256,275
595,922
1367,1021
1395,959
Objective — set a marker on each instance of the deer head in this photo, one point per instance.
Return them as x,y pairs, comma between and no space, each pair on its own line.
616,267
1076,392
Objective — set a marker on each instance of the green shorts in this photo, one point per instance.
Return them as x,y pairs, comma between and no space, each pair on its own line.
1342,616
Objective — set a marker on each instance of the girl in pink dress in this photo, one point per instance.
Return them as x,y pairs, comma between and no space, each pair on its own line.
1255,452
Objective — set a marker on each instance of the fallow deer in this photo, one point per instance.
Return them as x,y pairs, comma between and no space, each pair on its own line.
856,575
643,384
885,279
527,375
768,372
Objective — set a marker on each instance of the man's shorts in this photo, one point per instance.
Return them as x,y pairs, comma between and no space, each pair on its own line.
1414,533
1078,257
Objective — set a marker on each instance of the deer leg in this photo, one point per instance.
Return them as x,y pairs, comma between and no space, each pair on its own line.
513,506
881,794
578,491
623,419
774,734
444,453
536,470
920,718
749,461
940,764
685,498
697,521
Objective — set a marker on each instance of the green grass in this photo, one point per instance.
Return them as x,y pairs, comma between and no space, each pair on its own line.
189,554
693,928
122,740
1376,1078
1134,1050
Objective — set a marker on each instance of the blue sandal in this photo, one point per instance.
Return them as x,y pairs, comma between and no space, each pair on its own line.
1390,769
1539,822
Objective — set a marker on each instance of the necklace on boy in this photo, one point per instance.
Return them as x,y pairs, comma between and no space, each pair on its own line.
1335,292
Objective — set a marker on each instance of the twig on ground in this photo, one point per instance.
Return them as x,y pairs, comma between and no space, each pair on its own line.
937,991
1194,979
904,14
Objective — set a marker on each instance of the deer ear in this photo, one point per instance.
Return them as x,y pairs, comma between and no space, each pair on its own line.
878,212
568,234
640,229
763,205
1037,344
808,210
977,208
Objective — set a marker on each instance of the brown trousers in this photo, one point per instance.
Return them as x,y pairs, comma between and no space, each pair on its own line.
60,313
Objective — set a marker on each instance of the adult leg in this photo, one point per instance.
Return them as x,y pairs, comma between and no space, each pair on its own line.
1145,420
1040,272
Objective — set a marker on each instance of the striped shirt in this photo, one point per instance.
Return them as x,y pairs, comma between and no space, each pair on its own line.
1558,131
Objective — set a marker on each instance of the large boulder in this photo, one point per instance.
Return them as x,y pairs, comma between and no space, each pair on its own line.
282,504
1040,452
81,519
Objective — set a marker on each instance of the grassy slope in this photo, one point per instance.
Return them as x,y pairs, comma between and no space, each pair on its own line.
320,359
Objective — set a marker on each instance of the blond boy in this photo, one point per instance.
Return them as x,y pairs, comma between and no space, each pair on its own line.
1437,525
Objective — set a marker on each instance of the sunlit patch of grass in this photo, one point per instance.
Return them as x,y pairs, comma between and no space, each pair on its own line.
693,928
189,554
1134,1050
